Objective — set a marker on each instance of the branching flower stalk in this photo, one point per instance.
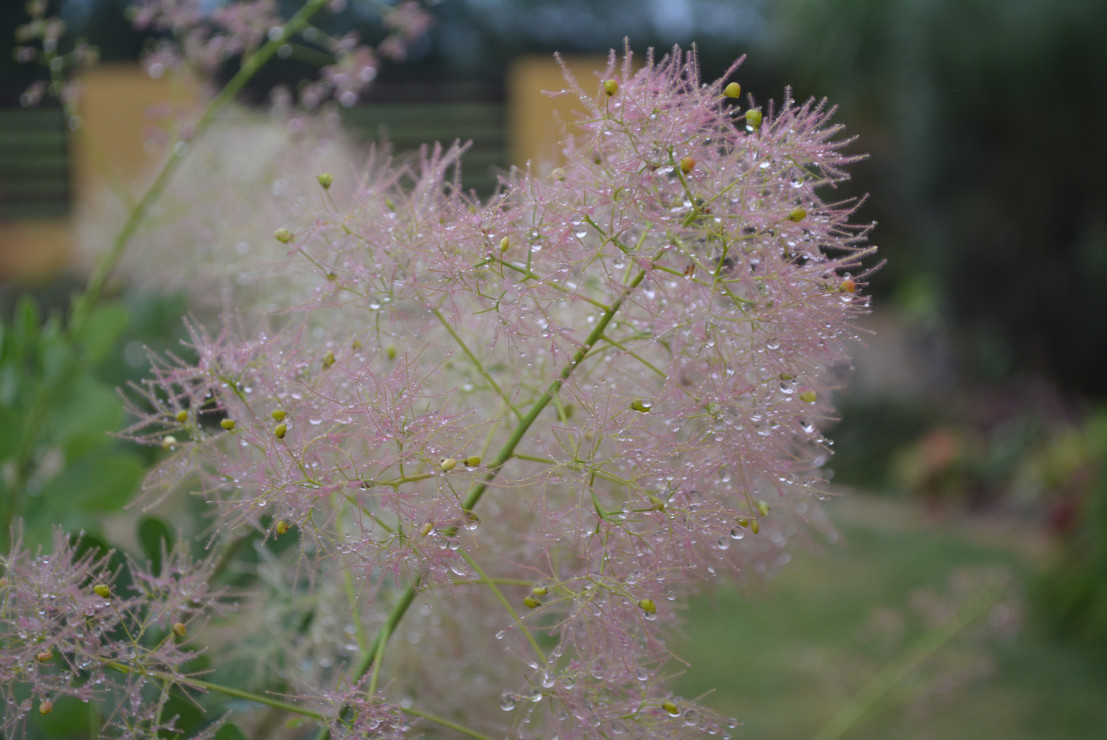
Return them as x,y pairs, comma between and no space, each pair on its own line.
509,437
103,270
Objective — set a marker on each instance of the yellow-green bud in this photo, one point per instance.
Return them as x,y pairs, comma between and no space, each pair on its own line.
610,87
472,461
647,606
227,424
284,236
45,706
733,90
763,507
182,416
447,464
753,118
325,179
687,164
282,527
657,503
755,526
179,629
504,244
848,286
641,405
280,430
168,441
539,591
279,415
426,529
797,215
328,359
808,396
102,591
532,602
671,708
45,656
390,352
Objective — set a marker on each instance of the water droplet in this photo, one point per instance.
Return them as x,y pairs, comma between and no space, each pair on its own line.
507,701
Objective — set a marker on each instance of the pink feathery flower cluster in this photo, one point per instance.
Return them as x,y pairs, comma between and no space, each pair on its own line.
203,40
70,628
530,427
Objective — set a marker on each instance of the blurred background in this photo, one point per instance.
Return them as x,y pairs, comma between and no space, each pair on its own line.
973,433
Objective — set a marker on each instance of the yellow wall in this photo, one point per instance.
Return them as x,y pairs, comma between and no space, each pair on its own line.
534,118
115,120
115,126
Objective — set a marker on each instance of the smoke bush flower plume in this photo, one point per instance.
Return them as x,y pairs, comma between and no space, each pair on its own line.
509,438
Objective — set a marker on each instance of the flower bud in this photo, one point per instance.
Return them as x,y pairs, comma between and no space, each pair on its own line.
848,286
504,244
687,164
328,359
472,461
179,629
282,527
45,707
102,591
755,526
539,591
733,90
168,441
227,424
45,656
181,416
763,507
797,215
532,602
426,529
447,464
280,430
641,405
647,606
610,87
753,119
279,415
325,179
284,236
671,708
808,396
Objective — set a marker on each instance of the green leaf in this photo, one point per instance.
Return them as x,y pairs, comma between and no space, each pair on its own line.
230,732
83,414
101,331
152,533
104,482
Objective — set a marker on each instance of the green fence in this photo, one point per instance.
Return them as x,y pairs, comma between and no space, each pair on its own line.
409,125
34,163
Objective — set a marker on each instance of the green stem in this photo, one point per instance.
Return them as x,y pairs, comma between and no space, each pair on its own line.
895,673
249,68
370,655
507,604
506,453
216,688
476,362
445,723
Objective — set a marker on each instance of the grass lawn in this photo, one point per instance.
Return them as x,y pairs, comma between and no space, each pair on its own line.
786,656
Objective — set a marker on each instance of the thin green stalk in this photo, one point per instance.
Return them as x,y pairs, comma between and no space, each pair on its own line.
249,68
507,604
506,453
476,362
216,688
894,674
369,656
445,723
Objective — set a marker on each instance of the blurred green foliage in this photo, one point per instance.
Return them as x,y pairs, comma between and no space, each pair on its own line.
983,120
59,406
